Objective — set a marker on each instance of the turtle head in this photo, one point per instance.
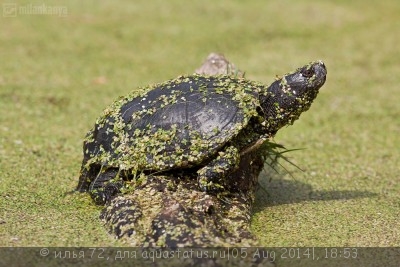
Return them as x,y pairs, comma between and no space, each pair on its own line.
289,96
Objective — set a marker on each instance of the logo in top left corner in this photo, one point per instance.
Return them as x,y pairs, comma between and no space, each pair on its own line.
9,10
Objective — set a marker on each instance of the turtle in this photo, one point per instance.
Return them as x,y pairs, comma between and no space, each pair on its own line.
197,123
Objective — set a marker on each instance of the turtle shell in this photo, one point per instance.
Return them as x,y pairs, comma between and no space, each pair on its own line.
177,124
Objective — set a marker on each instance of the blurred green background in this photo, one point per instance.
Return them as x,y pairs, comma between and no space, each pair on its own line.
60,69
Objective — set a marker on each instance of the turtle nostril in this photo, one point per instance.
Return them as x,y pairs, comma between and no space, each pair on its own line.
320,68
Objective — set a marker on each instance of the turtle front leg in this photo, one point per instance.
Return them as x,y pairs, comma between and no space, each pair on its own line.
211,176
106,185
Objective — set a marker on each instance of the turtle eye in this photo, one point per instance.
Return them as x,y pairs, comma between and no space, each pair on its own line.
308,73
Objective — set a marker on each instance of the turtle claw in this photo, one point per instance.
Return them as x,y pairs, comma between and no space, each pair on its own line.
205,185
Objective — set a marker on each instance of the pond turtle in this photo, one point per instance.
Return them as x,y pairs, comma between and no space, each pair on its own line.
199,123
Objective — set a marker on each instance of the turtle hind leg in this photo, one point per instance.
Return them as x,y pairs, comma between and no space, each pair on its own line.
211,177
106,185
